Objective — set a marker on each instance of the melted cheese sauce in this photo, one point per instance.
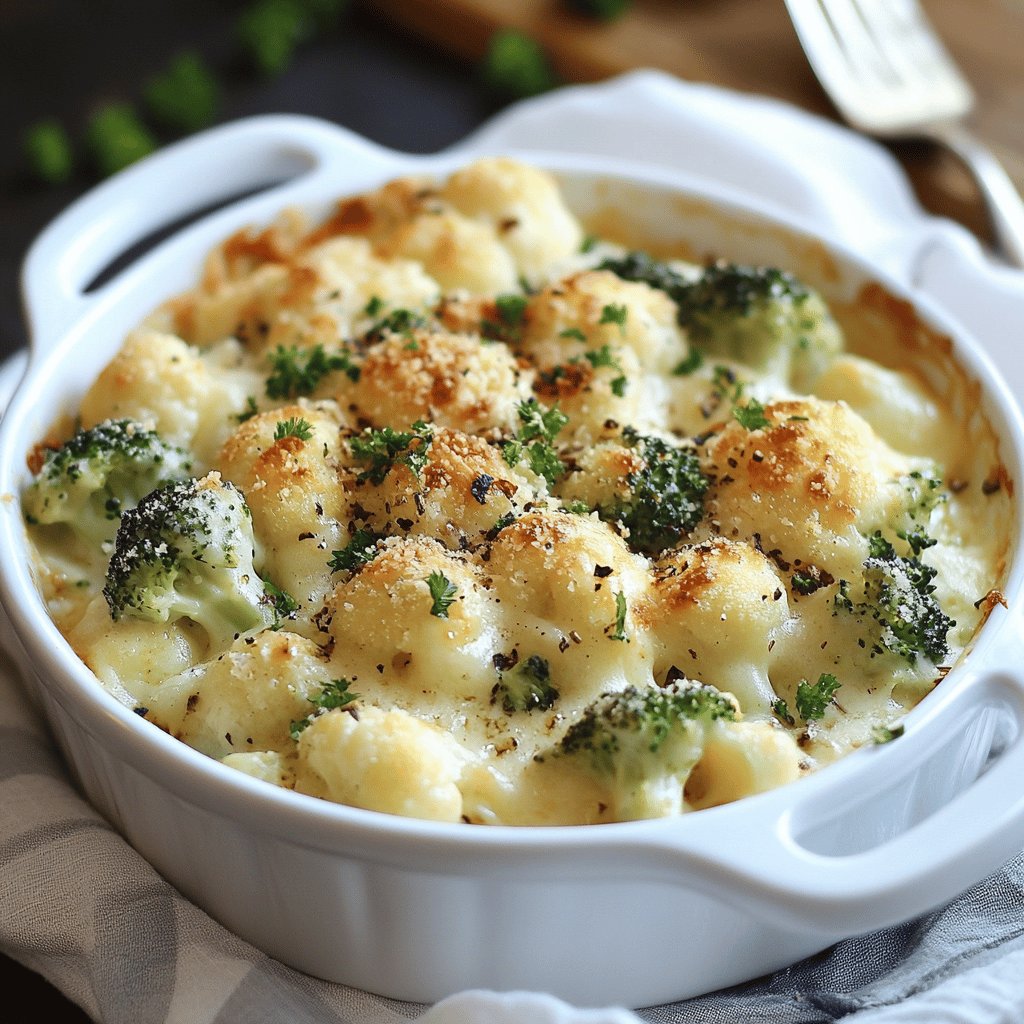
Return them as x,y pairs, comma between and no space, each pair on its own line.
749,600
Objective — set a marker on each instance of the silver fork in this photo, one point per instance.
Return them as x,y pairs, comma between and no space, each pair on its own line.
888,74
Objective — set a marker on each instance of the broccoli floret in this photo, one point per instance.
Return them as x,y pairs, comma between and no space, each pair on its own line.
525,687
186,551
760,316
898,596
644,742
924,493
91,479
639,266
666,496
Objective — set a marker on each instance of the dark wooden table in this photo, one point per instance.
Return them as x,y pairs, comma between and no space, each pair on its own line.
402,73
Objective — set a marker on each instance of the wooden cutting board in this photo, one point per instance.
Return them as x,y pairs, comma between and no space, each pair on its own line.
750,45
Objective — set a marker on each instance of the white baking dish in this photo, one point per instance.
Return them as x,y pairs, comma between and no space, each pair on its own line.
635,913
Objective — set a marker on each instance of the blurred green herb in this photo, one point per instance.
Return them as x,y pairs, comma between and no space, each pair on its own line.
269,32
185,97
48,152
116,137
515,66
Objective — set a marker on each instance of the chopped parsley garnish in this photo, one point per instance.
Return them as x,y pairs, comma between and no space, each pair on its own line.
398,321
511,313
382,449
782,712
578,508
725,385
284,605
574,333
362,548
333,695
603,357
374,306
751,416
296,371
693,362
506,520
540,426
442,593
813,699
614,313
511,309
293,427
886,733
539,422
250,410
619,632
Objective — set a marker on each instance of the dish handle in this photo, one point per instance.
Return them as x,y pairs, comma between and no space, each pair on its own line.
924,819
268,154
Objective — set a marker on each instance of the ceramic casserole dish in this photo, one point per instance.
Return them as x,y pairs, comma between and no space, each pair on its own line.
633,913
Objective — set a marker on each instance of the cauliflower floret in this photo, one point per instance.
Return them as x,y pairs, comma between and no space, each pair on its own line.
719,609
287,463
452,380
457,252
383,761
459,495
246,699
188,397
572,592
594,309
524,206
810,483
419,620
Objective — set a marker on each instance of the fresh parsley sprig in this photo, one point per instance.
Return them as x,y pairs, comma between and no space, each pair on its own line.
442,593
381,449
333,695
813,699
298,371
540,426
293,427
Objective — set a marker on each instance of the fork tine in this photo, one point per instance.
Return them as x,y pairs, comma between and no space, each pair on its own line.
823,48
909,44
879,60
865,58
889,75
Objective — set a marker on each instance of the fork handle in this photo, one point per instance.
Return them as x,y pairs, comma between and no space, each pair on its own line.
1004,202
